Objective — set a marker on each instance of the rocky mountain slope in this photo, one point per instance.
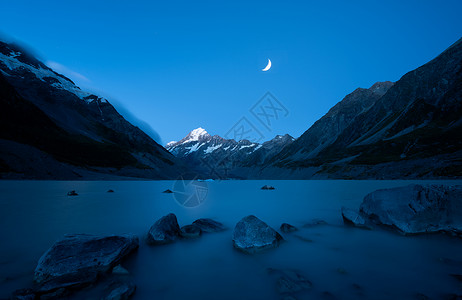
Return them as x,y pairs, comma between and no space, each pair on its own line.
215,157
51,129
409,129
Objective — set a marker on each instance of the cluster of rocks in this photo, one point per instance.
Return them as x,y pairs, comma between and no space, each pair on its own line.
167,230
412,209
81,260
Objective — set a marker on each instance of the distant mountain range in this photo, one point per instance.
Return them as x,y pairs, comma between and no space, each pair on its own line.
408,129
217,158
51,129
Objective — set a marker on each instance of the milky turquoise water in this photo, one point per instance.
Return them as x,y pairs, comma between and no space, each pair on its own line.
341,262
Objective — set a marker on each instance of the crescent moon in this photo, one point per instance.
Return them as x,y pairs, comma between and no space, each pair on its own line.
268,66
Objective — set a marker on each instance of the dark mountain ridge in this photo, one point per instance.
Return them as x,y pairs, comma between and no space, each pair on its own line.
45,112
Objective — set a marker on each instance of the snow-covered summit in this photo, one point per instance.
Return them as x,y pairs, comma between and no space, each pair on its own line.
196,134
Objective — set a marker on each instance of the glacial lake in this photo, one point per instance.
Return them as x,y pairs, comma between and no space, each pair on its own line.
341,262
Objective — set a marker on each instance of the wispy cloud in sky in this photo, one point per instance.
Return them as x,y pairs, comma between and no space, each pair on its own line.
66,71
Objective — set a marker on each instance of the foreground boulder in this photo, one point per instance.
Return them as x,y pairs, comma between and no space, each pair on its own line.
252,235
415,209
78,260
209,225
164,231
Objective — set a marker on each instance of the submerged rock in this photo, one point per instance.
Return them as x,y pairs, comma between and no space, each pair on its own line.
267,187
209,225
164,231
252,235
289,282
315,222
120,290
416,208
190,231
79,259
23,294
285,227
72,193
167,191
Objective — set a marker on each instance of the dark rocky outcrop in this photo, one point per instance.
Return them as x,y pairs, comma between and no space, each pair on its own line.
165,230
81,133
252,235
209,225
78,260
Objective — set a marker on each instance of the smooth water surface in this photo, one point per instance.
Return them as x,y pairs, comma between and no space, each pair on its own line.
341,262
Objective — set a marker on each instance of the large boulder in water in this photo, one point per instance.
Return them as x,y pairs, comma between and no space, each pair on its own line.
164,231
78,260
252,235
415,208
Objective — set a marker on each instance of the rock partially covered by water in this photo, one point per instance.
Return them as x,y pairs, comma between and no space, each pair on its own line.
415,209
289,282
209,225
72,193
190,231
285,227
252,235
120,290
267,187
79,259
353,218
164,231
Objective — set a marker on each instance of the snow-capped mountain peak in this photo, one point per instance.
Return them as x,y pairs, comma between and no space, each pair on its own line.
196,134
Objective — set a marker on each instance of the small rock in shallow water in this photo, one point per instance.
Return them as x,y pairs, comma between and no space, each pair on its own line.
353,218
119,270
288,228
165,230
315,222
72,193
120,291
209,225
167,191
267,187
252,235
190,231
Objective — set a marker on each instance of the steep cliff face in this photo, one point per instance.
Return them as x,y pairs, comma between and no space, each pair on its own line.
46,113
